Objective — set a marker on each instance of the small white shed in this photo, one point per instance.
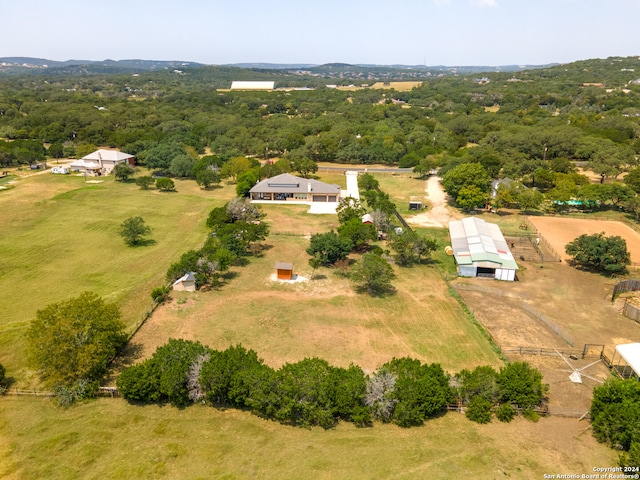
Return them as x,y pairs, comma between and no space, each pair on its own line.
186,283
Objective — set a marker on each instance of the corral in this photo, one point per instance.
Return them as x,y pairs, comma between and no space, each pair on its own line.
559,231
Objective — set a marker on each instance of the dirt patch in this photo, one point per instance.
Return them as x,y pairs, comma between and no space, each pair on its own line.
560,231
577,303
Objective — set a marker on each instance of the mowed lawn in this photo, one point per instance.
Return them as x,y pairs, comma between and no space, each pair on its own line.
59,236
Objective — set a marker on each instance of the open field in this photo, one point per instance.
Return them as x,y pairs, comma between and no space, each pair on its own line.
399,86
283,322
560,231
322,317
60,238
109,438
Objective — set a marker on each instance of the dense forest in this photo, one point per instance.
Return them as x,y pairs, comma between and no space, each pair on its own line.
531,126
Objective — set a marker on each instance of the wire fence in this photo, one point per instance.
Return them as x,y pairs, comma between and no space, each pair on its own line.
541,240
541,317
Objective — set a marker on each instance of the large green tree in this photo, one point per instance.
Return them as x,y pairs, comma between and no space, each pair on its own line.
133,230
615,417
373,274
329,247
602,254
466,175
75,339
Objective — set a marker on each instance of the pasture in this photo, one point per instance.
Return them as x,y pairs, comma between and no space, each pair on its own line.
109,438
62,239
399,86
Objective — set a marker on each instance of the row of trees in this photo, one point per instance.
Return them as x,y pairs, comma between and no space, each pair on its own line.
311,392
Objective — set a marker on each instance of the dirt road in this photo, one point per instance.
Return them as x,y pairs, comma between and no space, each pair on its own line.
439,214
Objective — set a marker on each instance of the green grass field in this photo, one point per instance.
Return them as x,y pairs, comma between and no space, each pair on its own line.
60,238
109,438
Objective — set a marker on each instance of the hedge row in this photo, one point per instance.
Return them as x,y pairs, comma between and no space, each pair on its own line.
311,392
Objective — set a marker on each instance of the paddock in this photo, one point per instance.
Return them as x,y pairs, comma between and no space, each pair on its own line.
559,231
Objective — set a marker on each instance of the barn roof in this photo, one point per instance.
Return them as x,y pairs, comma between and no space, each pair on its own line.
630,352
290,183
475,241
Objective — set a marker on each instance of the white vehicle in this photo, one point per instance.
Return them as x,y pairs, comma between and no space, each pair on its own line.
61,170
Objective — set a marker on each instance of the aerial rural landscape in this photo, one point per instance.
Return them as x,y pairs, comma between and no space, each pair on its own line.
237,269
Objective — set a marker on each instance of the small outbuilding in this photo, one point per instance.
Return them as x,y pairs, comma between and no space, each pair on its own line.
413,205
367,218
186,283
480,250
284,271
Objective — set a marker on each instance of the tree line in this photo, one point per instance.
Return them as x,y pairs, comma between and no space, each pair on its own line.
311,392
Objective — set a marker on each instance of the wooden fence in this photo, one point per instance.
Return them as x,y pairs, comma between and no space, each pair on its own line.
541,240
34,392
631,311
625,286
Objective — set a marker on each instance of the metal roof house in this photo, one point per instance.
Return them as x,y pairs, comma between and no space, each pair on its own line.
102,161
480,250
287,188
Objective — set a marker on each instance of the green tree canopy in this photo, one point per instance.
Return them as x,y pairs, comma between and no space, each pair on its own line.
145,182
329,247
466,175
133,230
165,184
122,172
373,274
75,339
599,253
520,384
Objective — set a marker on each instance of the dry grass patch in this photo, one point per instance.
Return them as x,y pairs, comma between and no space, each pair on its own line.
323,317
399,86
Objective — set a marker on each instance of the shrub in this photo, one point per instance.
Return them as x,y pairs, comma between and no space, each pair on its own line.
3,371
479,410
83,389
165,185
145,182
505,412
160,294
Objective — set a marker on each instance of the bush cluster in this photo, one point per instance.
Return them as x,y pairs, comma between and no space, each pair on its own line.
615,418
307,393
485,391
235,228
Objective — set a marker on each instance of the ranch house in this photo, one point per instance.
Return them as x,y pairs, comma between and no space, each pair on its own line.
480,250
102,162
287,188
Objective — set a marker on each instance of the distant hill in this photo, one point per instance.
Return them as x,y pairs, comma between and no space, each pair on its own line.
22,65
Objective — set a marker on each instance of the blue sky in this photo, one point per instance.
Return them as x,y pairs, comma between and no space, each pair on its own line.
410,32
